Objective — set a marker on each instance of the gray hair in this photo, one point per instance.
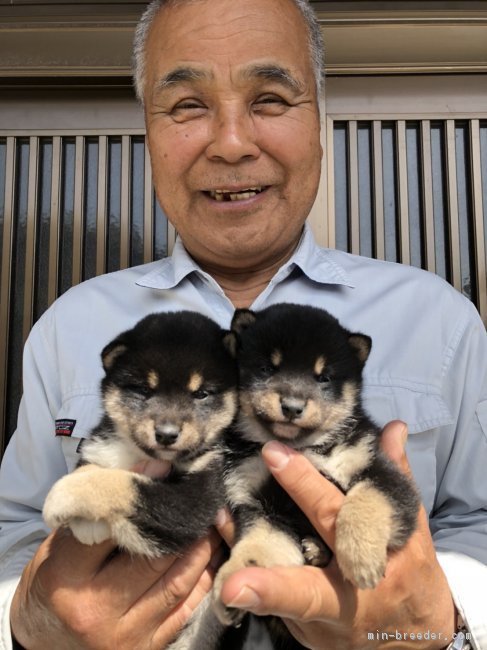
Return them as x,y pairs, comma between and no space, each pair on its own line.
315,41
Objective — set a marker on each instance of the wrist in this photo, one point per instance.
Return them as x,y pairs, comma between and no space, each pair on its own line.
461,640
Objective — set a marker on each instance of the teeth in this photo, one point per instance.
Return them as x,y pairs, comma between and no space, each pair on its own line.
222,195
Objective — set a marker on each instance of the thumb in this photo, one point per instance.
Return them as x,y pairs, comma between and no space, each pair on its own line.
393,442
303,593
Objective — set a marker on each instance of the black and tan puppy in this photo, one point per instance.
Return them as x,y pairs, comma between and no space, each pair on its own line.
300,383
169,393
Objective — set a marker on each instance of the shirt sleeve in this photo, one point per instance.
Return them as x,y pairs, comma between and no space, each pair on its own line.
32,462
467,579
459,520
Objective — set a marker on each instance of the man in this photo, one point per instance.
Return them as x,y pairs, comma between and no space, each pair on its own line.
230,92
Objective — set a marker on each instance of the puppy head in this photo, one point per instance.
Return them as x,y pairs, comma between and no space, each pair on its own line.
170,384
300,372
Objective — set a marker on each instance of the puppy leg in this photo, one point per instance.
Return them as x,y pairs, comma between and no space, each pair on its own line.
97,503
364,526
260,545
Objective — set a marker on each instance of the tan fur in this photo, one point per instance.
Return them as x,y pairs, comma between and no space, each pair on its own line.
96,503
335,412
319,365
276,358
222,418
262,546
364,528
153,379
195,382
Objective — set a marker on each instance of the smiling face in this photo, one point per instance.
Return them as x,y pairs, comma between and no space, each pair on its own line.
233,127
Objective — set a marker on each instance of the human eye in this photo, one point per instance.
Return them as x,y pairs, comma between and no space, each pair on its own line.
187,109
271,104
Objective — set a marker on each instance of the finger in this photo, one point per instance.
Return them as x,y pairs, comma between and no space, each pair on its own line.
393,441
303,593
173,585
63,554
319,499
153,468
225,526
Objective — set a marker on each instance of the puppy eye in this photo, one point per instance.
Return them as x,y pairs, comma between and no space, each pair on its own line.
140,389
200,394
267,370
323,379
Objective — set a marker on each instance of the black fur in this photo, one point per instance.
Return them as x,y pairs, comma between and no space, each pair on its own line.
293,361
169,392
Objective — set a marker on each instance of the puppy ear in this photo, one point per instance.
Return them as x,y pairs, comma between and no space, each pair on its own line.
361,345
230,343
242,319
111,351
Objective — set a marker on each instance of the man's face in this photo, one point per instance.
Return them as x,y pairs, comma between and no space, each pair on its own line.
233,127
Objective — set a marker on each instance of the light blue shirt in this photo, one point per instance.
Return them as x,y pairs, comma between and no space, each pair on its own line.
428,367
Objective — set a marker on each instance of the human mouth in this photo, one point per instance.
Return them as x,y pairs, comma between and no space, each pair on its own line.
231,195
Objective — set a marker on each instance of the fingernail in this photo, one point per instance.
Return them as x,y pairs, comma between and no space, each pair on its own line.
221,518
404,434
245,599
276,455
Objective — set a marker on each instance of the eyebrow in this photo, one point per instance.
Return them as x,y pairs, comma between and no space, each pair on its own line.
264,71
181,75
276,73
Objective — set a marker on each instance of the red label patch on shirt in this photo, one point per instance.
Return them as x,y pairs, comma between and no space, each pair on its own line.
65,427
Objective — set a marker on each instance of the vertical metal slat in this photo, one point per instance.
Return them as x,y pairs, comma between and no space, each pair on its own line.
6,278
54,222
148,208
354,188
378,191
125,186
429,225
451,162
30,241
101,209
78,223
330,194
478,220
403,193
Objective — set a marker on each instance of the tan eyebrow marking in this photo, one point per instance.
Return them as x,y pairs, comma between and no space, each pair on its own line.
195,382
276,358
320,365
153,379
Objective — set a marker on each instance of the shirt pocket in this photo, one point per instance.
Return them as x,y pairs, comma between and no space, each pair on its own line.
425,413
82,413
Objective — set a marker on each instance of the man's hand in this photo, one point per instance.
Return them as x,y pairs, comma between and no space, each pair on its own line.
319,607
73,596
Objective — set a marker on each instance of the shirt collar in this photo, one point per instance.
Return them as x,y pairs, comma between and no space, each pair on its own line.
315,262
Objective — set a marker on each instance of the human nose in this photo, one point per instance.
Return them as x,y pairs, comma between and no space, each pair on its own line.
233,136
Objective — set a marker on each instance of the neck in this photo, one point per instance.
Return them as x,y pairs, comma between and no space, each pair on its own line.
243,285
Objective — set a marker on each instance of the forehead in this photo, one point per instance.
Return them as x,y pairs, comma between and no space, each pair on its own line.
219,34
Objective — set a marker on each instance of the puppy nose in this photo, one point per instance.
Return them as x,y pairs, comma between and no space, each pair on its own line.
167,434
292,407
